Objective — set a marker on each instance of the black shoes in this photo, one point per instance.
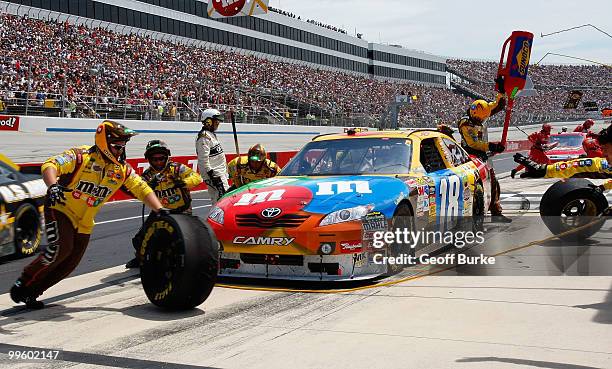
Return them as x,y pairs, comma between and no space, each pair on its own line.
21,294
134,263
513,173
500,218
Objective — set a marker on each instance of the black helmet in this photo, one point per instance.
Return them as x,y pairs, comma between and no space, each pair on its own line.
157,147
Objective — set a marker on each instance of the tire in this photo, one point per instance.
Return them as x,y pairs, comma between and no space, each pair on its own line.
179,261
478,209
28,230
402,218
571,204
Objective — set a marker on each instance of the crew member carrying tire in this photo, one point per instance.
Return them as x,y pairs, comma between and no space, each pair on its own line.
80,181
171,182
211,159
252,167
472,131
539,145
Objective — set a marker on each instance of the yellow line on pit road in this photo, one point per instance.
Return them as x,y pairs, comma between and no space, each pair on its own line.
401,280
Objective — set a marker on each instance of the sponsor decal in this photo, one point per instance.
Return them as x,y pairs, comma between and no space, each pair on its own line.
9,123
263,241
336,187
91,189
271,212
374,221
350,246
360,260
76,195
255,198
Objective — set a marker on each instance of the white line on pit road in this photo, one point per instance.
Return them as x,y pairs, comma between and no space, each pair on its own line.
138,216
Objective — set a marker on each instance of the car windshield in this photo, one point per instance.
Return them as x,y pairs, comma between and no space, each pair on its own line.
352,156
567,140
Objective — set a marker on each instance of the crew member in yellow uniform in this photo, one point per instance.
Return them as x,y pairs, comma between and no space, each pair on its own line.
595,168
80,181
252,167
473,140
171,182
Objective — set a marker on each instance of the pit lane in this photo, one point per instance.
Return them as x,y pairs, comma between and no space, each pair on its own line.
522,311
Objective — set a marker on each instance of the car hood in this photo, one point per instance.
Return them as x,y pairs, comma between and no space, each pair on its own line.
317,194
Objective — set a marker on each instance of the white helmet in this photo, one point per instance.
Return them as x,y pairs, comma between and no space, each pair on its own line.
208,117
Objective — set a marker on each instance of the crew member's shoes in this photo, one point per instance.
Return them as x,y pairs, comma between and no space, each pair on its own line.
513,173
500,218
132,264
21,294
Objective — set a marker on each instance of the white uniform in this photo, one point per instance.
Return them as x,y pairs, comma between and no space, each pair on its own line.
211,157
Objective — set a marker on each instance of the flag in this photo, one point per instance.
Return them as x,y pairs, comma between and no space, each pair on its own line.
236,8
572,100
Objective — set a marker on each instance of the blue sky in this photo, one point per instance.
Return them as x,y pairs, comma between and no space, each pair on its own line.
470,29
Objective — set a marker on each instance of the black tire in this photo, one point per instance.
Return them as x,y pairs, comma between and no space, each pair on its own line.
478,209
28,231
571,204
179,261
402,218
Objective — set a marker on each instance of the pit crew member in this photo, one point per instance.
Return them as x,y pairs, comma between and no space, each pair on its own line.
211,159
80,181
171,182
473,133
251,167
539,144
586,167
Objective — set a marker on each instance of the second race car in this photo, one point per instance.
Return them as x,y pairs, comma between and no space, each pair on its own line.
315,221
21,210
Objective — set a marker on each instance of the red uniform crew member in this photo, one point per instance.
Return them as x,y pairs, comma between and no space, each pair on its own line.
585,127
539,144
596,168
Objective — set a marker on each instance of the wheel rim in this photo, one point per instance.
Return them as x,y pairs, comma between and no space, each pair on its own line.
27,233
576,212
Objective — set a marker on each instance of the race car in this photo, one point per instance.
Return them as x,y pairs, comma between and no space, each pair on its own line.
21,210
572,146
319,218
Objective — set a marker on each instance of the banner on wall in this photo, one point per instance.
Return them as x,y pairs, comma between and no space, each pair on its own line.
9,123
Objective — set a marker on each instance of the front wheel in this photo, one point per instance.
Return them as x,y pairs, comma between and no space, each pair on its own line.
403,218
28,231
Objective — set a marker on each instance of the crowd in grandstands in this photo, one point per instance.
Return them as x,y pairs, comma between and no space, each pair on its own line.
97,62
552,83
320,24
96,67
542,75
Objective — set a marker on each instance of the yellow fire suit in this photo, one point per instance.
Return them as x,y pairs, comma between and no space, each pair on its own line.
240,172
173,197
595,168
93,180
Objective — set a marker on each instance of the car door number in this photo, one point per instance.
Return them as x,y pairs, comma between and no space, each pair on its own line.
450,189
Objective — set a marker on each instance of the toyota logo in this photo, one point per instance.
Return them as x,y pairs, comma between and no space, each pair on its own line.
271,212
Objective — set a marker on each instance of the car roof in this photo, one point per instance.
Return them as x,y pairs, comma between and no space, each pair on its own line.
413,133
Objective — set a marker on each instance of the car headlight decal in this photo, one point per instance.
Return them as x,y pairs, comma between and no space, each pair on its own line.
217,215
346,215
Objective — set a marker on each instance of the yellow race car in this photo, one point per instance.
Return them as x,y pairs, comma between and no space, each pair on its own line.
21,210
316,219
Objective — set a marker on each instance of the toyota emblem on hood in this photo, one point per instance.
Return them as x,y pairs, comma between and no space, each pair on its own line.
270,212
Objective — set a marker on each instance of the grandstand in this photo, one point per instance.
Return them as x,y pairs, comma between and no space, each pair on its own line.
166,60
